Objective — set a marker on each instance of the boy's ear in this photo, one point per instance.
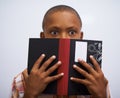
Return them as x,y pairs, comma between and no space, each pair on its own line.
42,35
81,35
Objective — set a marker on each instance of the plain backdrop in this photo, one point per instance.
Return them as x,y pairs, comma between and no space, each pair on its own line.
22,19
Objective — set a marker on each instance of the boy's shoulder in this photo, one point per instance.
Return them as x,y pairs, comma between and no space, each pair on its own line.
18,85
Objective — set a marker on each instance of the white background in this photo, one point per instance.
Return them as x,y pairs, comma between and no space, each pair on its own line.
21,19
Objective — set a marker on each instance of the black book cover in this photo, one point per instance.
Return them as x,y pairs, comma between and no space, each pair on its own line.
67,51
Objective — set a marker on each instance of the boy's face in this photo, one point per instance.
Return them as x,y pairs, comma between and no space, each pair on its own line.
62,25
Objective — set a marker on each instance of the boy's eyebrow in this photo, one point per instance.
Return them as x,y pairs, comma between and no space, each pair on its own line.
72,27
54,27
57,27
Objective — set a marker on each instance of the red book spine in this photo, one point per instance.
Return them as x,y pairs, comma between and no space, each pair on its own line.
64,53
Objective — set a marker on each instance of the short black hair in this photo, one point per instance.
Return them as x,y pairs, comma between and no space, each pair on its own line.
60,8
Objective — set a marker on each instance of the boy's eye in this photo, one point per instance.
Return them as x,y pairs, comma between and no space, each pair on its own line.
72,32
53,32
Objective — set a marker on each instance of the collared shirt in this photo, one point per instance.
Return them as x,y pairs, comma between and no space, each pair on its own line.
18,86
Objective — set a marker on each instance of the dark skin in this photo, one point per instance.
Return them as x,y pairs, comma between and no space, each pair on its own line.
63,24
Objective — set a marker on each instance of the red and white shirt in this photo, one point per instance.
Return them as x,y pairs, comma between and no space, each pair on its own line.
18,86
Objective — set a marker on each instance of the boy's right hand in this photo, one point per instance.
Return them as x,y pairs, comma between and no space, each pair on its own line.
39,77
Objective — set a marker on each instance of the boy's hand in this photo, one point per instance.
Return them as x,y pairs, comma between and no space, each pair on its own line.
39,77
94,80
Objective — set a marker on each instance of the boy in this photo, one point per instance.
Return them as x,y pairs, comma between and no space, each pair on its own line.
60,22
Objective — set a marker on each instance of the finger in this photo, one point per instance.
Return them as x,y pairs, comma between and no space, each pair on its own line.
53,68
82,81
25,77
89,68
83,72
25,74
53,78
106,81
38,62
95,63
47,63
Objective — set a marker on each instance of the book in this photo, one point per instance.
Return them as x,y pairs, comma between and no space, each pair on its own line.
67,51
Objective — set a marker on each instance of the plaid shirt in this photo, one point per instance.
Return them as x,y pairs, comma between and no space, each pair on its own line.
18,86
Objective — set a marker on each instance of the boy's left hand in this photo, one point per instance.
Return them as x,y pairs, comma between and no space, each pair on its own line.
94,80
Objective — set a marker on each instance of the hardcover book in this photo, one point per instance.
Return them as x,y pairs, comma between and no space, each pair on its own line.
67,51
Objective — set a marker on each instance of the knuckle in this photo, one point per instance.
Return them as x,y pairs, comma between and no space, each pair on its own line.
45,64
37,62
99,76
89,68
33,72
88,84
84,72
54,78
83,62
50,70
42,77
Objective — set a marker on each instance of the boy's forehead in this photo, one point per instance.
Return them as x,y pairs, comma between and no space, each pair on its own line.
63,15
63,19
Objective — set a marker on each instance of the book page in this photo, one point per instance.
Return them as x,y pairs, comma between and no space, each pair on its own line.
80,50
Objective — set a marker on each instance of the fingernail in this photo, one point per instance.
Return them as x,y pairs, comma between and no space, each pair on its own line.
53,56
74,66
43,55
80,59
61,74
71,78
91,56
59,62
